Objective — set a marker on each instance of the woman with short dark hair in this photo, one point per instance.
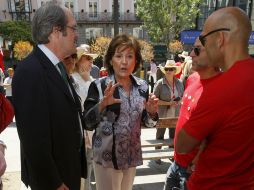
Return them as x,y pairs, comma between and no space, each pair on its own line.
116,105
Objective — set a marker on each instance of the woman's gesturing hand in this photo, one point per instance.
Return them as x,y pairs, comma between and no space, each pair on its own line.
152,105
108,98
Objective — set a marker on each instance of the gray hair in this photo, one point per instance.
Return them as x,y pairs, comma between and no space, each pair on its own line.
47,17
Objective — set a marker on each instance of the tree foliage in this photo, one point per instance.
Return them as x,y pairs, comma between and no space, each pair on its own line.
165,19
175,46
146,50
100,45
16,31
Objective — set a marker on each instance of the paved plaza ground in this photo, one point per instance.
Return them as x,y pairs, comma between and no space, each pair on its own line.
150,176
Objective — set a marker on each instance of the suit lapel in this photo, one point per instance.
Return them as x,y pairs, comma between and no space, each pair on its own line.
52,72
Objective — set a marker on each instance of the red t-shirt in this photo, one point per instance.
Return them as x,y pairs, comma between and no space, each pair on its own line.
179,74
224,116
193,90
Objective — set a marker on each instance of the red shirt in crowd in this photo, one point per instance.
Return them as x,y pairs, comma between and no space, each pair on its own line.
193,90
224,116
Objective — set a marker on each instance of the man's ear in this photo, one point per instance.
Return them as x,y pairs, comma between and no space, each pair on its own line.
56,32
221,40
56,29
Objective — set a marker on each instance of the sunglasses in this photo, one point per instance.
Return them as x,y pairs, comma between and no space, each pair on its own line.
196,50
202,37
170,69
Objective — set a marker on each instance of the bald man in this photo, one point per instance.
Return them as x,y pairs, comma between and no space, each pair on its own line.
224,115
180,170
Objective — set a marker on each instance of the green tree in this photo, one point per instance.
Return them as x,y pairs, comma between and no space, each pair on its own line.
165,19
16,31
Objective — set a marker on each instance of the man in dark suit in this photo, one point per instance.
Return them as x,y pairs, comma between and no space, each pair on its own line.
46,106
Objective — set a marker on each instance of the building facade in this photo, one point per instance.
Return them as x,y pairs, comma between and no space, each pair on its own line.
95,17
209,6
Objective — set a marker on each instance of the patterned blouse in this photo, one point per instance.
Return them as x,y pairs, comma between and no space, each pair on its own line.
116,142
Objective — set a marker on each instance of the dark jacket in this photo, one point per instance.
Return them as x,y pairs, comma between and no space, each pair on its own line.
52,147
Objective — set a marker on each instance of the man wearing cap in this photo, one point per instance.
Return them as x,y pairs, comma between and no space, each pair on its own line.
169,91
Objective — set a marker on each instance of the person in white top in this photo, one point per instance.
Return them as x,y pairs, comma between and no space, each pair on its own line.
83,80
7,84
153,70
153,74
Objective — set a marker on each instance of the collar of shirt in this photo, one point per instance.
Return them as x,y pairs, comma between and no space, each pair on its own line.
52,57
164,81
134,80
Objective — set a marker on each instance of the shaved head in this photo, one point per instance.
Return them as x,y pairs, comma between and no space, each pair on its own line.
233,18
235,32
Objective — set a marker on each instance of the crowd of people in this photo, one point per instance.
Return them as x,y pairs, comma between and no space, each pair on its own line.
71,121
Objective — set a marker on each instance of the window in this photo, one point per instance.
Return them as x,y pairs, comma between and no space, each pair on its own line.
242,4
44,1
112,31
138,32
20,9
135,7
20,5
93,33
69,4
93,9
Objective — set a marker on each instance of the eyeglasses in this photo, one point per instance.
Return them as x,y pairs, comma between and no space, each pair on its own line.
196,50
73,56
74,28
202,37
170,69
